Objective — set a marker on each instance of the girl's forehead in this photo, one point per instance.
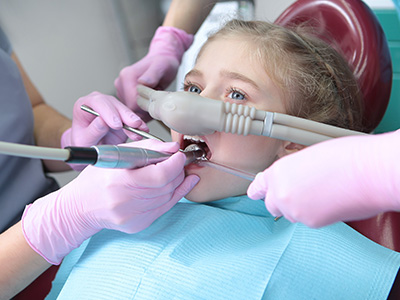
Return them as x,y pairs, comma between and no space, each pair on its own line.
232,53
232,61
237,43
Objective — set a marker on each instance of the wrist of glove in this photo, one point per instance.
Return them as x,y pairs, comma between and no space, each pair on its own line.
119,199
165,55
49,232
157,69
170,41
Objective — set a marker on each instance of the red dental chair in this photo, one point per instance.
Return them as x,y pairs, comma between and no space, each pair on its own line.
358,35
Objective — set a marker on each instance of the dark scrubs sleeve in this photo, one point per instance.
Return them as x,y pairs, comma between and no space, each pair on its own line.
22,180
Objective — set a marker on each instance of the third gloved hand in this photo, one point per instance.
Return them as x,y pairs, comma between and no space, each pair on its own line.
342,179
119,199
157,69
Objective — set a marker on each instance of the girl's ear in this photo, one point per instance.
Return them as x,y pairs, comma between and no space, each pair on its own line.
289,148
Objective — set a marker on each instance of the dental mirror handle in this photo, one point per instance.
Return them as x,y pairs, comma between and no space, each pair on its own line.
226,169
142,133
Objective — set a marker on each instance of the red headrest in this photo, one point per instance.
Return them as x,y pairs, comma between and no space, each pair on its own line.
354,28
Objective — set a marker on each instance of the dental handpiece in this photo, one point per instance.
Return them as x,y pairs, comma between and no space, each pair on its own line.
103,156
125,157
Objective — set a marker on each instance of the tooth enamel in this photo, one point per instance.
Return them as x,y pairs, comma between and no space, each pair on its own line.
193,138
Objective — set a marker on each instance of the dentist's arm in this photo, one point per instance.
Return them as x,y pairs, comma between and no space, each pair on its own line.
188,15
20,263
160,66
119,199
342,179
49,124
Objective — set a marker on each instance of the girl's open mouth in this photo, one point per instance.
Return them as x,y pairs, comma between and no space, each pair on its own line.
187,140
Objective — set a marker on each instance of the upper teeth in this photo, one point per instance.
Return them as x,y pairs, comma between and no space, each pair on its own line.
193,138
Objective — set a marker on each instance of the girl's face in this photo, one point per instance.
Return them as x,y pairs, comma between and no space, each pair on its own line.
225,72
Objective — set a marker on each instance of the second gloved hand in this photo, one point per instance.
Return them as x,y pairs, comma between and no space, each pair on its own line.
88,130
157,69
120,199
342,179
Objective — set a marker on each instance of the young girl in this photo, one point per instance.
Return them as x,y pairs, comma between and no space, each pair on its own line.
221,244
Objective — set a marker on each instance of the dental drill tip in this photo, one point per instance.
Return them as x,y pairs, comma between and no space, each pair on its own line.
194,147
194,153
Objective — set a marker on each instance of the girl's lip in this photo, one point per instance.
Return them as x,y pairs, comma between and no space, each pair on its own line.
193,166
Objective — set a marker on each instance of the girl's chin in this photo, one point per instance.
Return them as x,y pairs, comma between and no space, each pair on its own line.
195,196
194,169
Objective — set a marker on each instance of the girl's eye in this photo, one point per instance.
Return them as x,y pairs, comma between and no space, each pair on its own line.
191,87
236,95
194,89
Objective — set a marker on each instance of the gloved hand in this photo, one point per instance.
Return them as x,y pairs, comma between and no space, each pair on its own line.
157,69
120,199
88,130
342,179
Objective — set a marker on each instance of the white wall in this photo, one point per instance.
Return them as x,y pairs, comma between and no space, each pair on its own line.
71,48
380,3
268,10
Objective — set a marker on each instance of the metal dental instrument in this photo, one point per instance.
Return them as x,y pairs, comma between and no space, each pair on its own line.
103,156
131,129
192,151
192,114
226,169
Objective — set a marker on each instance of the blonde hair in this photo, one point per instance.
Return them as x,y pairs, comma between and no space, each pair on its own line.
315,79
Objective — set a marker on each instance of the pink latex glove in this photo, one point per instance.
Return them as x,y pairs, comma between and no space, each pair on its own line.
88,130
157,69
342,179
120,199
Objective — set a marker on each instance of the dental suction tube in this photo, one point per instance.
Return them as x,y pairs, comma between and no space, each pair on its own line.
192,114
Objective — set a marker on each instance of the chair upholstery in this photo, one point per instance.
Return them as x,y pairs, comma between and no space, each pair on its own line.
40,287
352,28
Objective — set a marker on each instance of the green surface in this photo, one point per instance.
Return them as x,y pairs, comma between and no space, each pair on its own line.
391,26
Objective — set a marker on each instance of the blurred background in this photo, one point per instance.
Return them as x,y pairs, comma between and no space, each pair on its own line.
71,48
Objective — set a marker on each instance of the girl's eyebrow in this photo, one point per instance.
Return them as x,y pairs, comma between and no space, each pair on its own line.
225,73
194,72
238,76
